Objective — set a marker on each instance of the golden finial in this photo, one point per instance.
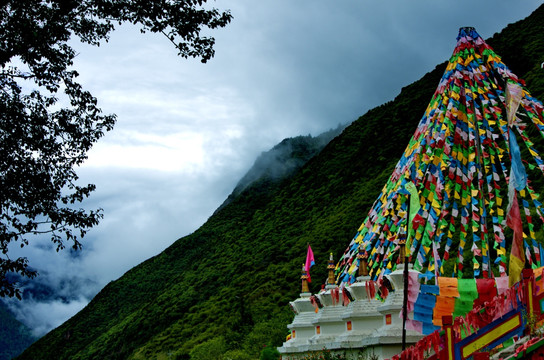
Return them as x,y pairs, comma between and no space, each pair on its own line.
362,256
304,278
331,267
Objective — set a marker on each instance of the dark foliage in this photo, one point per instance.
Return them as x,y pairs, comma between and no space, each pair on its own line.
48,122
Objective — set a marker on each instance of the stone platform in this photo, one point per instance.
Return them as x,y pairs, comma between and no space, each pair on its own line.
366,328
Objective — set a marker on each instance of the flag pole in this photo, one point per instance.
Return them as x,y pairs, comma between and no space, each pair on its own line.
406,262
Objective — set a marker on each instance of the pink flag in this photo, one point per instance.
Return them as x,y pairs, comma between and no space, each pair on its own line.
414,325
309,262
502,284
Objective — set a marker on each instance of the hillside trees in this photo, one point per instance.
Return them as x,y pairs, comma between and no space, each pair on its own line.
48,121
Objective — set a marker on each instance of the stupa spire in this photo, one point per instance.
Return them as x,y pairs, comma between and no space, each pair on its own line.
304,279
330,268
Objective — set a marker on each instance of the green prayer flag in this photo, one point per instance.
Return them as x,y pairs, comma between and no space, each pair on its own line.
508,343
414,208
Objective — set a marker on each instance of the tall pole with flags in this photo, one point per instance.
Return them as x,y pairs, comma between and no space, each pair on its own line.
411,210
405,300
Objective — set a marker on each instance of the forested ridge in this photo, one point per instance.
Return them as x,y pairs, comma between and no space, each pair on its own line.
228,284
14,336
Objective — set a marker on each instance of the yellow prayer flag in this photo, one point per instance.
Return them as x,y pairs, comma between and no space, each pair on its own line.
352,268
516,265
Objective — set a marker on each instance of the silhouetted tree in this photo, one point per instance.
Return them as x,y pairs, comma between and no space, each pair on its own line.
48,121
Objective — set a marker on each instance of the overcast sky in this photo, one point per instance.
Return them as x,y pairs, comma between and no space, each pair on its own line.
187,132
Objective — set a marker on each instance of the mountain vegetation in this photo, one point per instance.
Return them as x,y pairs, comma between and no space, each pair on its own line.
274,166
223,291
14,335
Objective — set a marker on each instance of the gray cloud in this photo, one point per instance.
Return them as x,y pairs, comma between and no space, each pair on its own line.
187,132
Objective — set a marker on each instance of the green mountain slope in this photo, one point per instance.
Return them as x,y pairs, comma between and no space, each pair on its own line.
14,335
228,284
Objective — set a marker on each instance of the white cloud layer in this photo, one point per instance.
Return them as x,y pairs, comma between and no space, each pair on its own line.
187,132
47,315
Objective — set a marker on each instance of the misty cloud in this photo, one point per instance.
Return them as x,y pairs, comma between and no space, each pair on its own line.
43,316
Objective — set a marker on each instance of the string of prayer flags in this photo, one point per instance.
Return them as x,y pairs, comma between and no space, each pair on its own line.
419,350
472,302
467,168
